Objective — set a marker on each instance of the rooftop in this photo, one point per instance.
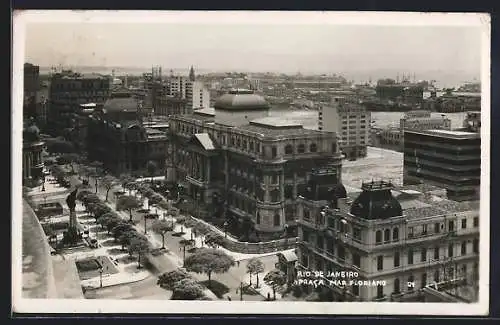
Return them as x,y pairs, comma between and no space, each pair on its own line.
276,122
239,99
450,134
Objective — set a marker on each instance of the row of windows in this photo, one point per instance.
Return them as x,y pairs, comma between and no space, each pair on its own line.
423,254
437,228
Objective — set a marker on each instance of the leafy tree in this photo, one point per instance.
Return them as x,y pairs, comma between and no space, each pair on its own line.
107,218
151,168
99,209
120,229
154,199
187,289
58,146
128,203
71,159
140,246
208,261
127,236
213,239
200,228
108,182
276,279
255,266
110,222
162,227
126,181
168,279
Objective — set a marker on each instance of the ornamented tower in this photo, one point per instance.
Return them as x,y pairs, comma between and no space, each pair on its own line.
192,76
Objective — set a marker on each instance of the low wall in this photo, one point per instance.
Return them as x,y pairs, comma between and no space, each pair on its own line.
234,245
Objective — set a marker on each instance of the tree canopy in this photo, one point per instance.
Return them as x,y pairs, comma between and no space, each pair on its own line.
208,261
168,279
187,289
128,203
276,279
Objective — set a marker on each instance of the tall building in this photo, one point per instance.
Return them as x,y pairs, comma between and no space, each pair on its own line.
350,121
68,90
31,87
448,159
197,95
390,243
255,165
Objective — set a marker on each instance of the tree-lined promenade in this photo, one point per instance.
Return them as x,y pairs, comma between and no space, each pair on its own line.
127,212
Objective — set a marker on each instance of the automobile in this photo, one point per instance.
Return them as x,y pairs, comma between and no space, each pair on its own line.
93,243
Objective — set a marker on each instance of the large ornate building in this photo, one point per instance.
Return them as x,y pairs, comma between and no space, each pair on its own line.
256,164
117,137
396,240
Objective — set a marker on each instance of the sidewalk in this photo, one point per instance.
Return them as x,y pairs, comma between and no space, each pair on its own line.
115,279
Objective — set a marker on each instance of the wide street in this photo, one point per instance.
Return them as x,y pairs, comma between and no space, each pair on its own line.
172,259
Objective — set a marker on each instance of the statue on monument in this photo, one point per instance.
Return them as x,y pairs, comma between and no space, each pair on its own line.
71,200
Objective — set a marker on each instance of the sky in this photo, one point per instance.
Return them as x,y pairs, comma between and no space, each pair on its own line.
255,47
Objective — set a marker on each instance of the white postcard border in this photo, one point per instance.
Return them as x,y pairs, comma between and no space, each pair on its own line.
236,307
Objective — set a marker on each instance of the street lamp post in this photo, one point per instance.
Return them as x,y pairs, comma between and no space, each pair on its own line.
285,227
43,183
100,276
241,291
225,229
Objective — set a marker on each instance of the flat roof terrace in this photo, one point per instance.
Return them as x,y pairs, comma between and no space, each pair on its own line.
449,134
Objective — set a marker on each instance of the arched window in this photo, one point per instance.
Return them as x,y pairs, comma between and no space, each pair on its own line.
313,147
301,148
397,288
276,220
387,235
395,234
258,218
288,149
378,237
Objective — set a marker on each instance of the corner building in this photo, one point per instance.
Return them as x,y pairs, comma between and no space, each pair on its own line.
405,238
257,164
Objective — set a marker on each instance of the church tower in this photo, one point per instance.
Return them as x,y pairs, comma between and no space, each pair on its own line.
191,74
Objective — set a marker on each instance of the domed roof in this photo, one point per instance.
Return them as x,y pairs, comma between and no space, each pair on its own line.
241,99
376,203
121,104
31,133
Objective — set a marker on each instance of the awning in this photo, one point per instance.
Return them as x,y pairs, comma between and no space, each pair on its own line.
289,256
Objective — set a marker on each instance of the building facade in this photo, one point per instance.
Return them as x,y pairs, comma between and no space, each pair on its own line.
32,154
68,90
197,95
448,159
31,85
257,165
117,137
391,243
352,124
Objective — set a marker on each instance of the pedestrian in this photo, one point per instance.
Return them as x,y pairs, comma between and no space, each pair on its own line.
229,298
268,296
238,262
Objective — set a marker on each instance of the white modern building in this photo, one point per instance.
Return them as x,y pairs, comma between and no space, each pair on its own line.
350,121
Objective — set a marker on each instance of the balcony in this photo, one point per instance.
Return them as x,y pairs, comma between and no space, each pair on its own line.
332,258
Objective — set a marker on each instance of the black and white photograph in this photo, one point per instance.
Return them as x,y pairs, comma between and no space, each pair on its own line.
251,162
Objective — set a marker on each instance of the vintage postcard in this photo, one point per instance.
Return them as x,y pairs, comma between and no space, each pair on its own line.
251,162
